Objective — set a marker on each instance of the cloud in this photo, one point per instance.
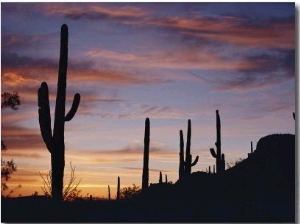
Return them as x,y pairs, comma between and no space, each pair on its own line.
265,70
179,58
151,170
94,11
38,70
15,42
18,154
233,30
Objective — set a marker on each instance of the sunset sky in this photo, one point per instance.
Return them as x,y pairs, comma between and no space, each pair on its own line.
167,61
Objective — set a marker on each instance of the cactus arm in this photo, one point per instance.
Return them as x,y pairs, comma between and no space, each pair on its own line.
195,161
294,116
213,153
74,107
44,115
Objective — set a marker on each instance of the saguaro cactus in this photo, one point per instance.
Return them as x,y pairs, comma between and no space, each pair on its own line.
55,143
145,177
249,154
166,178
160,177
108,192
185,167
220,158
181,156
118,189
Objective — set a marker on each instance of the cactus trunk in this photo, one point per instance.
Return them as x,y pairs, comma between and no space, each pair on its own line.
145,177
118,189
181,156
220,158
55,143
108,192
160,177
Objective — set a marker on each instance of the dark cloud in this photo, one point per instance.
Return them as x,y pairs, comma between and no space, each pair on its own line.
263,70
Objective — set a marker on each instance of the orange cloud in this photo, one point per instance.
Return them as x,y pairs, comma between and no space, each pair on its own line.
231,30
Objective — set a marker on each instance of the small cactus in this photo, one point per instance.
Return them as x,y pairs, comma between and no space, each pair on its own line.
108,192
166,178
118,189
160,177
249,154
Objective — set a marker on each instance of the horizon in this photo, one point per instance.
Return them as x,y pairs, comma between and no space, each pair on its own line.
169,62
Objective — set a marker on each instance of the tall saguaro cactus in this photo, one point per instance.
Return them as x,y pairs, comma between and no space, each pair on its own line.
220,158
55,142
118,189
185,167
145,177
251,153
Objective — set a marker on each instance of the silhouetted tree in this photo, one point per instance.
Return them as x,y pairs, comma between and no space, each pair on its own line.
7,168
232,164
55,143
129,192
11,100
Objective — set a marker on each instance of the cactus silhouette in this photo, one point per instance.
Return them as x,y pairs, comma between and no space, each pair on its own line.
145,177
55,143
181,156
118,189
160,177
249,154
166,178
294,116
220,158
185,167
108,192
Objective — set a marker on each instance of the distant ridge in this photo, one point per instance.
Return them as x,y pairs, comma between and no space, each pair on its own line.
269,173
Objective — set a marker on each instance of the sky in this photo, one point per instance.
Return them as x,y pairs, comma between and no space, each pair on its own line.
167,61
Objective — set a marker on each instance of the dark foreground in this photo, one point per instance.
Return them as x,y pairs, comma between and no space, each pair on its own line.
259,189
41,210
